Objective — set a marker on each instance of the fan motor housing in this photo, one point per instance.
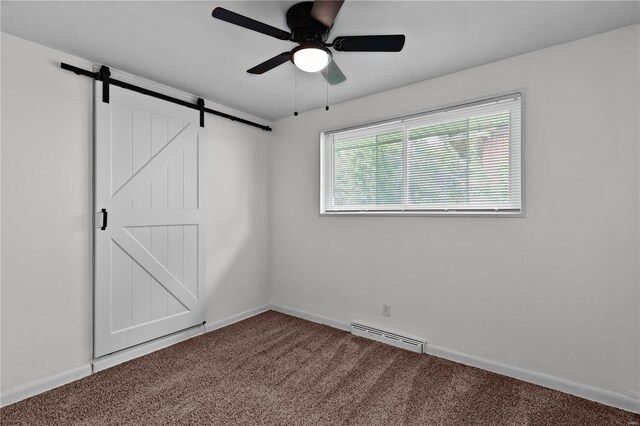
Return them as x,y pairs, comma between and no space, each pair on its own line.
303,27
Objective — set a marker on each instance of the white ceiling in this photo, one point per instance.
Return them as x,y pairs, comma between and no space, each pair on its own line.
179,44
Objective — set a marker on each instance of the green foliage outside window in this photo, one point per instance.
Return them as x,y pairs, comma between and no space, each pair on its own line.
456,162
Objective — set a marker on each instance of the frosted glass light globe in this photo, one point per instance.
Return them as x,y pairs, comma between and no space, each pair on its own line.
311,59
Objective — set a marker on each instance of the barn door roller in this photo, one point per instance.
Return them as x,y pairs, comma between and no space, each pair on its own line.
104,75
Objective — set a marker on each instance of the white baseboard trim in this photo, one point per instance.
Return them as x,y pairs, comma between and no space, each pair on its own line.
312,317
625,402
210,326
592,393
102,363
137,351
111,360
39,386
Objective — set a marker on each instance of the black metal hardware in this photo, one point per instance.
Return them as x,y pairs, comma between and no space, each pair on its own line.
200,104
104,219
142,90
104,75
79,71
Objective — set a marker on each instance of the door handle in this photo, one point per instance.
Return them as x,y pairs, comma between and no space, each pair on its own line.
104,219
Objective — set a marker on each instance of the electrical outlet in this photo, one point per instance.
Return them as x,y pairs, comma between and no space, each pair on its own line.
386,309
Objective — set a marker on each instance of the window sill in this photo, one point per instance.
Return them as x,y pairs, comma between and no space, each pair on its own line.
416,213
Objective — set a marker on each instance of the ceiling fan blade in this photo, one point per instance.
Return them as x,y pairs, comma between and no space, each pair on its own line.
370,43
270,64
333,74
325,11
251,24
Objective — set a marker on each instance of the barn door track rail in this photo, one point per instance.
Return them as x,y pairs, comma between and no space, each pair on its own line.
104,75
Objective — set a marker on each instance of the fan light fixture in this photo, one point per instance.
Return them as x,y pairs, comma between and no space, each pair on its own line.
311,58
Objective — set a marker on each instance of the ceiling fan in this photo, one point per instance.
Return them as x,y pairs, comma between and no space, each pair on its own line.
310,24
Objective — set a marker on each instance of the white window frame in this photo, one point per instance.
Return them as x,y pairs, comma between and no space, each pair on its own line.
326,172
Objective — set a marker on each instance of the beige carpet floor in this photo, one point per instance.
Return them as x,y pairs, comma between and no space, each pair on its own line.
274,369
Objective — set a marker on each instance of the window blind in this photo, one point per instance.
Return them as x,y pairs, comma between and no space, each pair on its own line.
461,159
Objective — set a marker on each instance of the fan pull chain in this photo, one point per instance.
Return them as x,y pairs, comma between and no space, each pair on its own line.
295,91
326,108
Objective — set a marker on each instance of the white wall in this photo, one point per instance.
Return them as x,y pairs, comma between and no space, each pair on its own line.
46,193
556,292
46,318
238,216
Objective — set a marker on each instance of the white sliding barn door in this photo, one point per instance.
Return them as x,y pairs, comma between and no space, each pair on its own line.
150,261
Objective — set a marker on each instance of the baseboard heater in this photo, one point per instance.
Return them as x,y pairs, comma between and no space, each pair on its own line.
387,337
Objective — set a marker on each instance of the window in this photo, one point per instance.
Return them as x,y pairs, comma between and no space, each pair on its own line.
457,160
